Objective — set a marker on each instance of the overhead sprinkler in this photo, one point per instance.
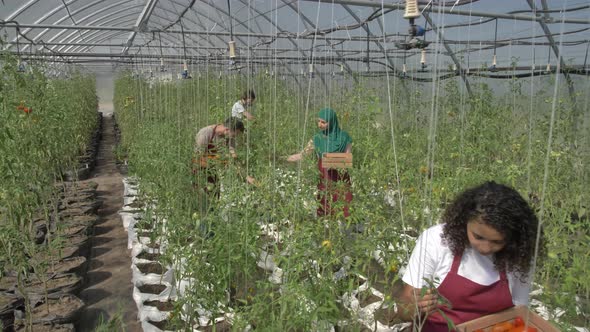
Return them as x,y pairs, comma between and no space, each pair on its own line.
412,12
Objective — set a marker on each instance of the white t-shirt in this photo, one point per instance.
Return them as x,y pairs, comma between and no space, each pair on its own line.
238,110
432,260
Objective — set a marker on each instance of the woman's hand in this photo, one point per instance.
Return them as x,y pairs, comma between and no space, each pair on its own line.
415,301
295,157
251,180
426,303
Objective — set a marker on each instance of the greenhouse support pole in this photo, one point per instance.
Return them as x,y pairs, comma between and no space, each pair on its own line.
140,24
568,79
451,53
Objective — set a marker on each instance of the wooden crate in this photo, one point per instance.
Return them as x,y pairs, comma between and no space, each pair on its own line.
487,322
337,160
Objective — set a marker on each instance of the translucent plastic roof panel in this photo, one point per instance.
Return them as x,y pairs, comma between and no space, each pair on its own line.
361,35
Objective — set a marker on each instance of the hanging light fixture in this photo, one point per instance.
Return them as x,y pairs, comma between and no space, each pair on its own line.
494,62
310,71
232,49
404,70
423,58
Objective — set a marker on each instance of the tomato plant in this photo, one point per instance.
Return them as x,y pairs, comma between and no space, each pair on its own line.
394,194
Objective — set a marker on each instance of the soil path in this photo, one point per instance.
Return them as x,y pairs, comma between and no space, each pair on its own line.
108,291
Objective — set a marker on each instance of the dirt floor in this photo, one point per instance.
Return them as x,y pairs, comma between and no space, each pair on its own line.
108,291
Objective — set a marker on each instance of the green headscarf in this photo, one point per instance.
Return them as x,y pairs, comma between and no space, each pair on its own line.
333,139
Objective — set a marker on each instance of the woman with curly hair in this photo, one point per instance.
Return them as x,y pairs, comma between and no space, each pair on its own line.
479,259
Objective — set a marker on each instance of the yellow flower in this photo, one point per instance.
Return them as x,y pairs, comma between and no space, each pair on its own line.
327,244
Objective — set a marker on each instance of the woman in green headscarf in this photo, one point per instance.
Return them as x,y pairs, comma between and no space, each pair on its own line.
329,139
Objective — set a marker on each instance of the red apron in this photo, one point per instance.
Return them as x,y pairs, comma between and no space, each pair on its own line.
328,192
469,300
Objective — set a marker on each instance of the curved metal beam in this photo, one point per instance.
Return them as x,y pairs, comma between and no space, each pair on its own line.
20,10
91,15
73,37
451,11
218,10
366,28
109,15
451,53
141,23
275,25
44,17
312,25
568,79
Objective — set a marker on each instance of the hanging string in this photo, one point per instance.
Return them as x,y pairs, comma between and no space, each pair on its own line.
307,102
547,158
392,132
161,53
463,113
17,31
231,26
530,137
586,56
548,69
183,40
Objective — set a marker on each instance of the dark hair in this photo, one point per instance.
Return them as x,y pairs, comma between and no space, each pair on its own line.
501,208
234,124
248,94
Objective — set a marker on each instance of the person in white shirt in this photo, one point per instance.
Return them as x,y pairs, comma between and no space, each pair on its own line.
240,108
476,262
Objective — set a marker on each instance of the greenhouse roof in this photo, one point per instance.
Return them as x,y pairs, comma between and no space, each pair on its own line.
362,36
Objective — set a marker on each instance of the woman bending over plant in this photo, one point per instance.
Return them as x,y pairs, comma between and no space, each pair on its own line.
479,259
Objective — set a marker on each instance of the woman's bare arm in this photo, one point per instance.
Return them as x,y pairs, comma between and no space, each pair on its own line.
298,156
